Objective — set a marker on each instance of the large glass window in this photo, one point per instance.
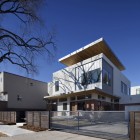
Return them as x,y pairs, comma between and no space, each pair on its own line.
123,88
56,85
106,77
90,77
138,91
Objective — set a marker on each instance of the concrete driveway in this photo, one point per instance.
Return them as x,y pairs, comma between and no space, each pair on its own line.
13,130
49,135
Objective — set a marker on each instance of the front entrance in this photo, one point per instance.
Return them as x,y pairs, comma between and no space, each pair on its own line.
81,105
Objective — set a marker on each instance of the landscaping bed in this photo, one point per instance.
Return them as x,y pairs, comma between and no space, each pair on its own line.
33,128
2,135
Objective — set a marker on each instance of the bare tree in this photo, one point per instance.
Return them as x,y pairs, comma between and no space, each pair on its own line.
69,78
22,50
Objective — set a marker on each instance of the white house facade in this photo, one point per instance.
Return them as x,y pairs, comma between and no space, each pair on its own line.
92,80
21,93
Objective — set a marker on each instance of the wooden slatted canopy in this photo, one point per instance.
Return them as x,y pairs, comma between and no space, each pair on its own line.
83,92
92,49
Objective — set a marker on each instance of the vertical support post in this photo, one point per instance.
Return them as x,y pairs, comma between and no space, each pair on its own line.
49,119
132,125
78,120
40,119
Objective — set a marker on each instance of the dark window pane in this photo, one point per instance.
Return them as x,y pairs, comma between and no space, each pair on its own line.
64,106
106,77
123,88
56,85
90,77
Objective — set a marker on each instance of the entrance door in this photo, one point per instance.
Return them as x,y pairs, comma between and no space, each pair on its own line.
81,105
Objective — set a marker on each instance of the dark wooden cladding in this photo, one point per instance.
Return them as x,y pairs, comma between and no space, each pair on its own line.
8,116
38,119
134,125
97,48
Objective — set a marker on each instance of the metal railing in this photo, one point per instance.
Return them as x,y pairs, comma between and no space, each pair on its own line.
110,123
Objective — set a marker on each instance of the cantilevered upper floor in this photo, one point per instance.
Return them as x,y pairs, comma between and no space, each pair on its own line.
97,47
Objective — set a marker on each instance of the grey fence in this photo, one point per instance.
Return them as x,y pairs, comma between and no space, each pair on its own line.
105,124
8,116
38,119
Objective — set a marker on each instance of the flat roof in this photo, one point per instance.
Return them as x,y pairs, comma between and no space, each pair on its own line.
90,50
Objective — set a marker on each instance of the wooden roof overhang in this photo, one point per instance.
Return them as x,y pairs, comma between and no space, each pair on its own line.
94,48
84,92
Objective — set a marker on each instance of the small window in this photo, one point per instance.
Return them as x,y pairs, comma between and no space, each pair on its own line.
88,96
19,98
123,88
116,101
64,106
106,77
111,100
99,96
103,98
31,84
56,85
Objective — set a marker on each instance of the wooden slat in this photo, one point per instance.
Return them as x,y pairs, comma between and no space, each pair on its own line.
132,126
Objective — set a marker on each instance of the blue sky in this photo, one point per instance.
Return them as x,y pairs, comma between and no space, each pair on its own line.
80,22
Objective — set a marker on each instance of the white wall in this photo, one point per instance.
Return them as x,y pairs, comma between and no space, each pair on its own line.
133,90
31,92
3,96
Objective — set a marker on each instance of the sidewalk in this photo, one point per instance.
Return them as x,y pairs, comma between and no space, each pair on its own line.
12,130
50,135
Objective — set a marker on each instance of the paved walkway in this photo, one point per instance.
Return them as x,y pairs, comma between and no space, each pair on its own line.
50,135
12,130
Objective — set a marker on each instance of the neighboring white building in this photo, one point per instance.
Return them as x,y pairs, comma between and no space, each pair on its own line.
20,93
92,80
135,90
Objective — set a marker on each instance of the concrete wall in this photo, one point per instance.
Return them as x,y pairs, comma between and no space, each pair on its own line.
131,99
24,93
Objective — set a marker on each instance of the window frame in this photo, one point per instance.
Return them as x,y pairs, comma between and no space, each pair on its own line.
56,86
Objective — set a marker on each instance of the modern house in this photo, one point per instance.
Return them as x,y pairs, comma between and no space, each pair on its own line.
18,93
92,80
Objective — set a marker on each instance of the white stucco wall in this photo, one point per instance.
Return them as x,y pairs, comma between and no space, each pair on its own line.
30,91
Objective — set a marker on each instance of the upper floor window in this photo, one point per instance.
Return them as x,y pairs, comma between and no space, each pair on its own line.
90,77
106,77
138,91
123,88
56,85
